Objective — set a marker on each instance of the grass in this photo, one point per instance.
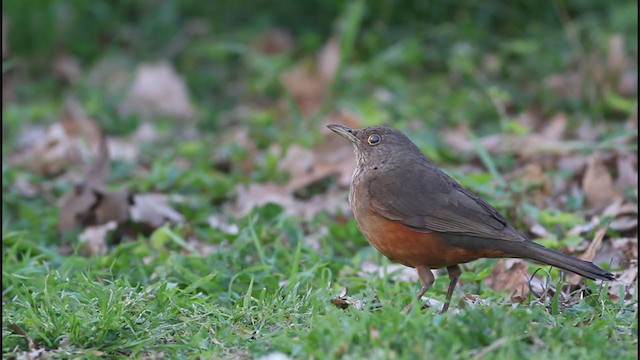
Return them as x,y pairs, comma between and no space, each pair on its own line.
269,287
143,298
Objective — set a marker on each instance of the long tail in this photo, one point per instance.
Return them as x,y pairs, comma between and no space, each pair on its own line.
534,251
537,252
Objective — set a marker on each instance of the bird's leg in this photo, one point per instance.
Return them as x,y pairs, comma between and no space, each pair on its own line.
454,274
427,279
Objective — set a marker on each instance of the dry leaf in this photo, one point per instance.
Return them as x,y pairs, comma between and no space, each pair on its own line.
259,194
50,151
158,90
556,127
128,148
93,240
153,209
77,206
627,165
309,83
541,232
628,280
510,275
331,158
589,254
343,301
597,184
620,253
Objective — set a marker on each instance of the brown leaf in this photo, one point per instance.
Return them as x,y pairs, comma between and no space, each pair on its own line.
343,301
620,253
510,275
61,145
257,194
556,127
158,90
589,254
153,209
308,83
628,281
129,147
597,184
595,244
627,165
93,239
77,207
625,223
260,194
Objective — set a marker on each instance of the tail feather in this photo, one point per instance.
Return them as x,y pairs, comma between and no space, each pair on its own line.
555,258
534,251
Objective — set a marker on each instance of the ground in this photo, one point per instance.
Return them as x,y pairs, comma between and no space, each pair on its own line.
170,188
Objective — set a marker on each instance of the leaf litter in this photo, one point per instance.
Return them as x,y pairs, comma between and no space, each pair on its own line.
601,175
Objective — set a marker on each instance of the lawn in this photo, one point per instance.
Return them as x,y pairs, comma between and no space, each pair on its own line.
170,188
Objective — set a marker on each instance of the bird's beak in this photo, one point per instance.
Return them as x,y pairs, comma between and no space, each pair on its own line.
344,131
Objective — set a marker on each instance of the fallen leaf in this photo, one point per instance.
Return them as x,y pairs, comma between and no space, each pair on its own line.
76,206
510,275
626,283
589,254
259,194
158,90
343,301
153,209
541,232
309,83
625,223
627,166
555,128
128,148
579,229
597,184
93,239
620,253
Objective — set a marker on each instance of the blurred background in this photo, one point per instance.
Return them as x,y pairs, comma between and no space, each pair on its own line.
188,127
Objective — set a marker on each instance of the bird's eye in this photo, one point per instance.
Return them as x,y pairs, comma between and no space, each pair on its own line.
374,139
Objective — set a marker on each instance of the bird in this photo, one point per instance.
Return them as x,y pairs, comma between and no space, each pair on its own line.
415,214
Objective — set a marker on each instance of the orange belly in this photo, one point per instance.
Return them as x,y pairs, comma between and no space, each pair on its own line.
411,248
